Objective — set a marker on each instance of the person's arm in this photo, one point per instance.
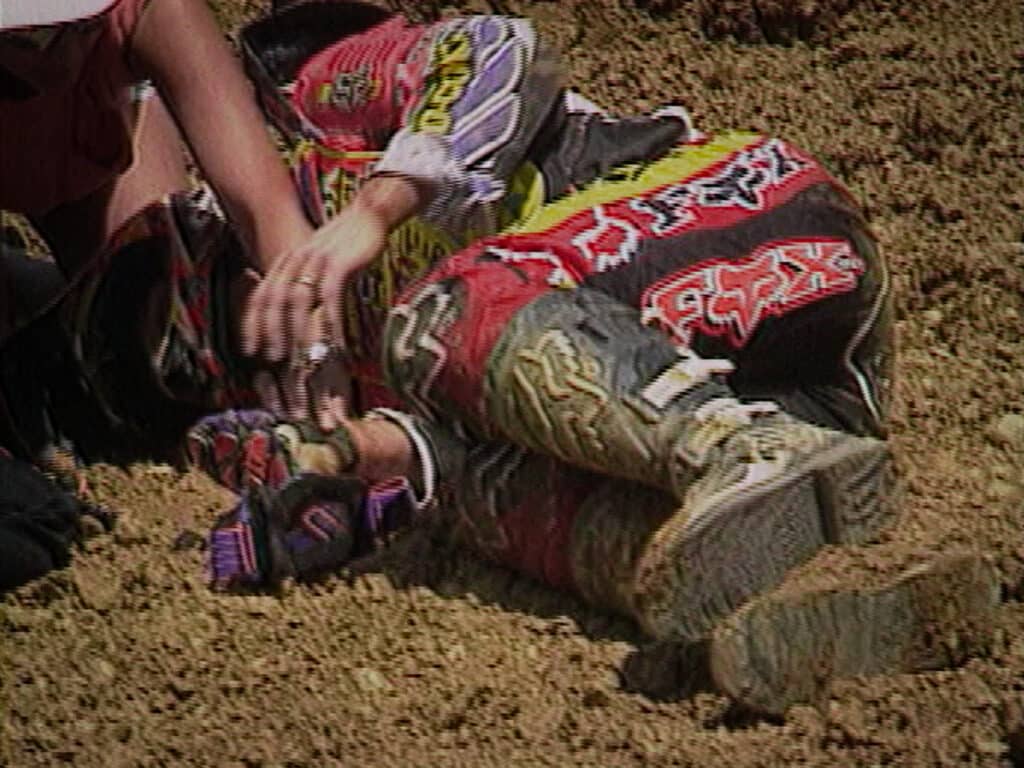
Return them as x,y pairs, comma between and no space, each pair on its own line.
178,44
490,85
467,122
276,318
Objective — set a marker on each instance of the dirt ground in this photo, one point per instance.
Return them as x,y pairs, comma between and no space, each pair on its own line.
434,658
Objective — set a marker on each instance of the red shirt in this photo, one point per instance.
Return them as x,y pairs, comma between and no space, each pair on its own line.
76,134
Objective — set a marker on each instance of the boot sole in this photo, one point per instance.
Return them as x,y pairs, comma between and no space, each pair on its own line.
777,652
698,569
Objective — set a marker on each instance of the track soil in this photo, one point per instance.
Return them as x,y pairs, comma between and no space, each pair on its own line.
435,658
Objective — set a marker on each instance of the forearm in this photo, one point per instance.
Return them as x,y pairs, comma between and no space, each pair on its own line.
206,90
392,199
480,107
358,235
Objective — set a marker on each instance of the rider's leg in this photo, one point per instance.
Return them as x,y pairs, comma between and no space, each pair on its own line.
488,340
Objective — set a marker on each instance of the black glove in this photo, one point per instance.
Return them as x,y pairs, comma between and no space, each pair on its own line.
39,522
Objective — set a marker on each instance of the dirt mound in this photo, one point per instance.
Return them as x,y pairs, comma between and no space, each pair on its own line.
435,658
767,21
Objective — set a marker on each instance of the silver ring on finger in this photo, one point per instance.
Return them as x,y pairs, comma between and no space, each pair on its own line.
319,352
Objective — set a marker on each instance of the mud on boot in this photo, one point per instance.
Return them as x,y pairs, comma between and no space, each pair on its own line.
576,375
768,498
788,646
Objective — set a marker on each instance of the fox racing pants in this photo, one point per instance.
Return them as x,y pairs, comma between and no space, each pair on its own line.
737,258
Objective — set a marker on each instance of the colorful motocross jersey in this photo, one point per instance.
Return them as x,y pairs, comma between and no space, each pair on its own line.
472,106
455,104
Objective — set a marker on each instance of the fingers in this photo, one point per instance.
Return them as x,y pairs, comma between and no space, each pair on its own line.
333,293
265,385
317,273
325,416
276,297
320,395
275,318
304,390
248,326
315,329
298,283
252,324
331,411
338,408
286,393
257,327
330,387
296,392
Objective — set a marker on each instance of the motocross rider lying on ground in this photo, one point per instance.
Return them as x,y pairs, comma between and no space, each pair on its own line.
662,384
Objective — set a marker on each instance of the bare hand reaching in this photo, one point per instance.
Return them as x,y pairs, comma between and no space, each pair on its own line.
319,392
315,383
277,320
297,311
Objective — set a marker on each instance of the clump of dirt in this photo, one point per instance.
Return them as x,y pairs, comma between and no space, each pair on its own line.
435,658
764,21
1013,725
